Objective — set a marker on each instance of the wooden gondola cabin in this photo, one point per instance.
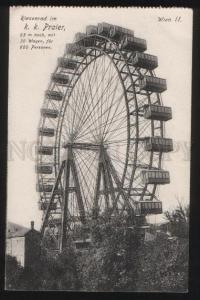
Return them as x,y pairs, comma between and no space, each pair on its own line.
155,177
153,84
157,112
150,207
158,144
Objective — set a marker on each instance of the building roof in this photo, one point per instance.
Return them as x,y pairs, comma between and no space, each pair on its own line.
15,230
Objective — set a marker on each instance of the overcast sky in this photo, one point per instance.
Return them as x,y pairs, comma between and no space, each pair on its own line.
29,75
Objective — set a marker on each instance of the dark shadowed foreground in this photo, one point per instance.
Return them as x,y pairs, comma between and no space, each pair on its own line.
117,260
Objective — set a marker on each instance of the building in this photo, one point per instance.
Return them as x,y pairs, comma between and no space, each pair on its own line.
23,243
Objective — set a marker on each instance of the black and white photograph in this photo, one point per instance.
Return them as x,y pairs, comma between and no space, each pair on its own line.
99,139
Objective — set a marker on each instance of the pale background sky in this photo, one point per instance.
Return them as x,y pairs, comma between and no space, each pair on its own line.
29,76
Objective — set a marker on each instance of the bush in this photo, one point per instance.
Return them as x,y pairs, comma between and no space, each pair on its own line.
51,272
111,264
163,266
116,261
59,271
13,273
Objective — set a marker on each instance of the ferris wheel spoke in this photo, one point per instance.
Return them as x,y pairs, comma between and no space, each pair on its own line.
98,83
92,106
83,194
83,106
52,104
77,92
121,160
86,185
85,112
90,78
83,175
117,152
69,116
74,112
87,157
101,104
77,95
98,100
118,118
107,96
142,158
108,115
77,100
97,87
119,166
81,115
105,111
116,135
143,126
85,132
111,124
137,184
66,133
87,182
144,162
103,108
111,81
91,183
102,125
117,131
101,93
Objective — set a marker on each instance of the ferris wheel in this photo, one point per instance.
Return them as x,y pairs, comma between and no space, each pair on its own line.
101,132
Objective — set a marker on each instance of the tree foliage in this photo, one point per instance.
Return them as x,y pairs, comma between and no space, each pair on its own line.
163,266
113,257
13,273
117,260
179,221
52,271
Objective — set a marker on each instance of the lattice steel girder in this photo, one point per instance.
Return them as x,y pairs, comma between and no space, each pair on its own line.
63,236
107,182
46,216
101,174
116,179
84,146
134,98
77,185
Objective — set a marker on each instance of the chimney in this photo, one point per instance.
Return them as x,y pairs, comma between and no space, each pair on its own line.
32,225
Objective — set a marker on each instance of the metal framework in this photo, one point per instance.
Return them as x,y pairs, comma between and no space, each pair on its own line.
93,131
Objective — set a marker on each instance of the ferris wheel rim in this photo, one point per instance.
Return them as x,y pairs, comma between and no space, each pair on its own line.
131,79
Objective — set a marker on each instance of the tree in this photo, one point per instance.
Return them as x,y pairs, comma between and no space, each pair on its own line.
111,263
52,271
120,261
163,263
179,221
163,266
13,272
59,270
117,260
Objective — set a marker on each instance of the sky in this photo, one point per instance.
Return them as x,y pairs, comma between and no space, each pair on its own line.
29,76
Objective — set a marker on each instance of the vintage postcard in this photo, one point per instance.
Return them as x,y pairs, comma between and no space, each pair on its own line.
99,149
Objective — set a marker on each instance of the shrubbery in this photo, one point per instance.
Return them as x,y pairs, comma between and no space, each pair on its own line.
116,261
